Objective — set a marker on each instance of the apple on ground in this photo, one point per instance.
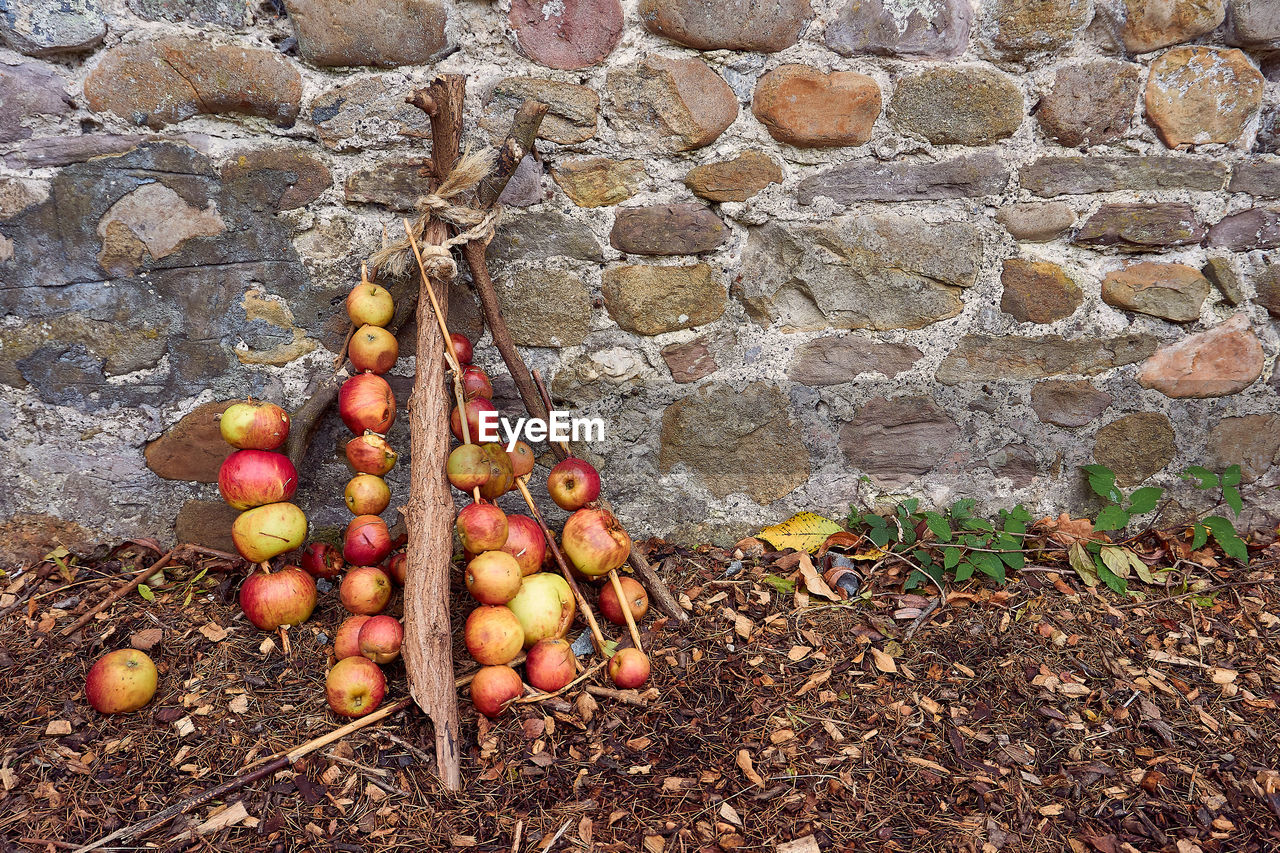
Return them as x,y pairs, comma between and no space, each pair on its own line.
636,598
550,664
268,531
380,639
395,566
346,642
493,635
283,597
120,682
365,590
629,668
322,560
354,687
254,425
494,686
493,577
544,607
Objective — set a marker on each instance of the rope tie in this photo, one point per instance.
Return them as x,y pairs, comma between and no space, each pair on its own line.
472,223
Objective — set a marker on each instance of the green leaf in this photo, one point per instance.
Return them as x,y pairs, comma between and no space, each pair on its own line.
964,571
977,524
1143,500
880,537
923,558
989,564
1231,476
1103,482
1014,561
963,508
1081,562
1199,536
145,592
951,558
1115,559
784,586
1205,478
1224,533
1112,517
1110,578
1231,495
940,527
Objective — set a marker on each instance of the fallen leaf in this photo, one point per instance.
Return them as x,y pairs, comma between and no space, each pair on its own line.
146,640
239,704
748,769
730,814
814,582
804,531
883,662
804,844
654,843
213,632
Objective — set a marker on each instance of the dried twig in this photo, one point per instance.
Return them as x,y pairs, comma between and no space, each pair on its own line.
120,593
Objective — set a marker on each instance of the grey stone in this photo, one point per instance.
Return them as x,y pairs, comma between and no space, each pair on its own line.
227,13
1068,402
1267,284
65,150
836,359
1253,22
1017,463
367,113
541,234
760,25
961,105
396,184
967,176
384,33
1256,228
572,110
1037,222
898,440
1173,291
1090,104
545,307
680,103
981,358
881,271
1250,441
17,194
1258,178
1224,275
667,229
890,28
1054,176
1268,141
525,188
650,300
28,90
276,178
1141,227
51,27
1136,446
736,441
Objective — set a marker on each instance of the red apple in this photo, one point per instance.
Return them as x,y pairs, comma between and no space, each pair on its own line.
322,560
522,458
573,483
550,665
254,425
493,577
637,600
493,635
595,542
544,607
395,567
482,527
370,304
268,531
526,543
380,639
346,642
365,403
468,467
367,542
354,687
367,494
462,349
629,668
370,454
501,474
250,478
365,590
494,686
474,409
283,597
475,383
374,349
120,682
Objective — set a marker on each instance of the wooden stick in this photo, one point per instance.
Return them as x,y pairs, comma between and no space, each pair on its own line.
120,593
596,635
630,697
626,608
428,646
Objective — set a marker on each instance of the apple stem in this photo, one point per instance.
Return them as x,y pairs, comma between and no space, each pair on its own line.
625,605
596,635
265,565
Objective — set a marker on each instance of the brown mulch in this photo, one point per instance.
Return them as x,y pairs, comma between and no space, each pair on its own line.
1021,718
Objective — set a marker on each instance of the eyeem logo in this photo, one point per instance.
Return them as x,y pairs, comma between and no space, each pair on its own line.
560,426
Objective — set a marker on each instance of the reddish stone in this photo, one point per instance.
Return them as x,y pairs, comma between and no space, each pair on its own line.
667,229
28,90
1223,360
1202,95
164,81
193,448
761,25
690,361
279,178
836,359
1067,402
1172,291
937,30
1038,291
1090,104
734,180
803,106
897,440
1147,25
568,34
1256,228
1141,227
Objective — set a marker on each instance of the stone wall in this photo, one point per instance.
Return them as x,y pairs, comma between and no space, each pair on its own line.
797,253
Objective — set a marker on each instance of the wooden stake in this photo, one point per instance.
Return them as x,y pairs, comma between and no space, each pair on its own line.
626,608
596,635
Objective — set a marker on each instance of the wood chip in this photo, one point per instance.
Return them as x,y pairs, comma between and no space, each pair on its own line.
239,705
232,815
804,844
184,726
748,768
729,814
213,632
57,728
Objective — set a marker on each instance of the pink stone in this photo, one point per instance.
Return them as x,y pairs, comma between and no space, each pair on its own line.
1223,360
569,34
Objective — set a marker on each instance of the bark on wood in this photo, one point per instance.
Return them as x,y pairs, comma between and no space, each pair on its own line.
428,646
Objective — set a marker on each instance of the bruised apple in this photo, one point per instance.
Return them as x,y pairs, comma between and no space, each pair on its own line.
493,635
322,560
475,383
254,425
374,349
482,527
396,566
380,639
367,494
283,597
494,686
367,404
468,467
501,473
595,542
268,531
526,543
370,454
522,458
475,407
367,541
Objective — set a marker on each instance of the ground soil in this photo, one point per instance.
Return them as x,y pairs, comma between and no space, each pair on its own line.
1036,717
